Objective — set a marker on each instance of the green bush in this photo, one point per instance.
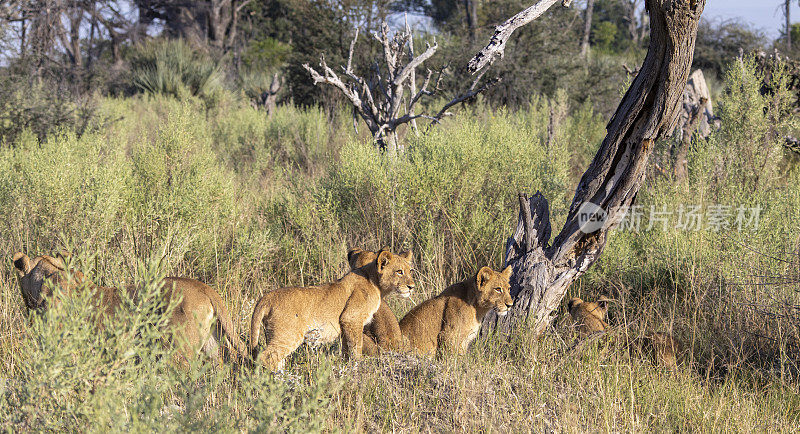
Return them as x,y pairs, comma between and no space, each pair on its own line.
73,376
172,67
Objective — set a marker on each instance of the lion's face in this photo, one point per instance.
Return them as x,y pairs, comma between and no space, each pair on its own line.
579,308
494,290
394,273
33,275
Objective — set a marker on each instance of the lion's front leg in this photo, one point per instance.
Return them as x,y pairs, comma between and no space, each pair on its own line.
352,339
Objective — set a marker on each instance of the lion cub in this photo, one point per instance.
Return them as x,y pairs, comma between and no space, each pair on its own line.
662,348
320,314
192,320
589,317
383,332
450,321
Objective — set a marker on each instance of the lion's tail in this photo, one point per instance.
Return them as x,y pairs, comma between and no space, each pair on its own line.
261,310
235,344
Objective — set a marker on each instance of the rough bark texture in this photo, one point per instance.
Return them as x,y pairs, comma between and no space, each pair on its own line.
695,91
542,272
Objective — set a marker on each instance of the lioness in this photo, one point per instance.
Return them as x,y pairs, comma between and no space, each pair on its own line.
320,314
191,321
383,332
450,321
588,317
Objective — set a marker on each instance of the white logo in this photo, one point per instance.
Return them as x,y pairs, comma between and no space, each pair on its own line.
591,218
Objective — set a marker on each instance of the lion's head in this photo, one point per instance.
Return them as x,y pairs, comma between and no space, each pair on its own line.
33,276
394,272
358,257
494,290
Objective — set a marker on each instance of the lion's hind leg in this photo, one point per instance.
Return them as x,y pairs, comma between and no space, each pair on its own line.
278,347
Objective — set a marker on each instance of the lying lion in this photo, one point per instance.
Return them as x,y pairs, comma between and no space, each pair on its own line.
192,321
450,321
320,314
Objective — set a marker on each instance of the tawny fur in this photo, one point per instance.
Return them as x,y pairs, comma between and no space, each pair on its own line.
192,321
383,332
662,348
450,321
320,314
588,317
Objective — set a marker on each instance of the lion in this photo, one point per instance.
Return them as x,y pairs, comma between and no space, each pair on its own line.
588,317
320,314
383,332
192,321
450,321
662,348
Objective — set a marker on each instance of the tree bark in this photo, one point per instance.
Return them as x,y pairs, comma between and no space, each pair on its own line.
680,169
471,11
543,272
786,14
587,28
270,97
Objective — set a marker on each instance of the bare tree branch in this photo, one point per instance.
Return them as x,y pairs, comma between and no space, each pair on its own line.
502,33
380,100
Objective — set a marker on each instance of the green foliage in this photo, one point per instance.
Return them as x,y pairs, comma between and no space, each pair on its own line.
702,284
265,54
604,34
172,67
38,106
123,376
250,203
718,44
444,194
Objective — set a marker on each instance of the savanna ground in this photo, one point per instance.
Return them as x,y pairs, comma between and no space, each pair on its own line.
248,203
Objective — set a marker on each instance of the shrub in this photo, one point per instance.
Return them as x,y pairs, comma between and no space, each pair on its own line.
172,67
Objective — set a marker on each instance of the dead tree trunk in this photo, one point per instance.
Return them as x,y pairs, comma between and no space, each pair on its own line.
787,16
270,96
471,12
543,272
386,100
587,28
680,169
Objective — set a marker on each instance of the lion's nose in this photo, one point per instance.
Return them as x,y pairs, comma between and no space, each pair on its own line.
411,286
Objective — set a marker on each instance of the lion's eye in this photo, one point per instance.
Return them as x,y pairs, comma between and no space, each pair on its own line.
499,289
399,272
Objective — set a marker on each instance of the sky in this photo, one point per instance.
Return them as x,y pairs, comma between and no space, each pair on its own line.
766,15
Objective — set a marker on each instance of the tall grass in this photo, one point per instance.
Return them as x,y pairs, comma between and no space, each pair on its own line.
249,203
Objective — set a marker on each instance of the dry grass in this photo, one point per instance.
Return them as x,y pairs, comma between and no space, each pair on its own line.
249,204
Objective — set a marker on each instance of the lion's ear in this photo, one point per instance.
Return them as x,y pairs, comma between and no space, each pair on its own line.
22,262
572,303
484,275
383,259
506,273
64,257
407,255
352,256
